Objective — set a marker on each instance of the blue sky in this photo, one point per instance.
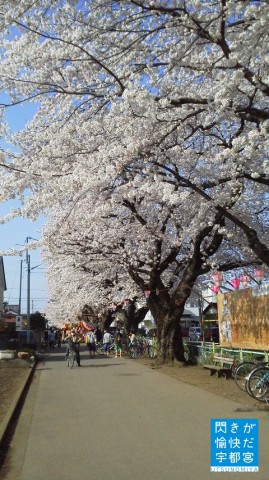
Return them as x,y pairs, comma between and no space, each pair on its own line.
15,233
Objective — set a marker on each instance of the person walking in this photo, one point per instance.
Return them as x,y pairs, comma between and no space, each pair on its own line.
58,338
51,338
73,343
107,342
91,343
98,335
118,344
132,342
133,339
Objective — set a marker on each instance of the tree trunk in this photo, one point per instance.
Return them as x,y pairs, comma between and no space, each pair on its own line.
130,318
134,317
106,320
169,335
172,347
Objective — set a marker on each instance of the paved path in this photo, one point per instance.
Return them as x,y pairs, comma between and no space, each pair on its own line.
115,419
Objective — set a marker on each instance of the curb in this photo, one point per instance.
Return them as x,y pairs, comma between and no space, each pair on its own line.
5,424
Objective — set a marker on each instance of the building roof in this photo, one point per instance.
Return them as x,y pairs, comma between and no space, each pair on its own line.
211,308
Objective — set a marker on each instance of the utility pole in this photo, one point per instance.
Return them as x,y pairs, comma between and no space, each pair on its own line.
19,317
28,291
28,287
20,288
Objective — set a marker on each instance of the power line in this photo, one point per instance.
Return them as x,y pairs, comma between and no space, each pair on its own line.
32,289
25,298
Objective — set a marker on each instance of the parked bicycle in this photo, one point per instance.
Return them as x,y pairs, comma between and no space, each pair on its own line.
142,348
243,370
257,384
253,377
100,348
134,352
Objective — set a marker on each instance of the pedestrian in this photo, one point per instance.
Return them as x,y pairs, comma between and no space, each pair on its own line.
51,338
107,342
58,338
73,343
118,344
133,339
132,342
98,335
46,337
91,343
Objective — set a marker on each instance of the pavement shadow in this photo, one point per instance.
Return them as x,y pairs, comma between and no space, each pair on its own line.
59,356
52,357
103,365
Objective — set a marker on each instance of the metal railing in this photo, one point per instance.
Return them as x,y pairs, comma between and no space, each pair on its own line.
203,352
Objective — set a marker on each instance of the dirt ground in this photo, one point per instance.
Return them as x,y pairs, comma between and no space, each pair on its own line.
200,378
12,378
13,374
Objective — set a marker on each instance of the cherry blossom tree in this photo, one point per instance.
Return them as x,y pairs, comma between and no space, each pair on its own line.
146,244
203,94
152,115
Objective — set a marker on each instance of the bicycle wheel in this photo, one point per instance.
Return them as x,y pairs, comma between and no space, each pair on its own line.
99,348
241,373
146,350
134,352
258,384
125,350
130,351
152,352
142,347
71,359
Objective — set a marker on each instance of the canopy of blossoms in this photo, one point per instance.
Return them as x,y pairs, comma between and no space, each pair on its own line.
151,127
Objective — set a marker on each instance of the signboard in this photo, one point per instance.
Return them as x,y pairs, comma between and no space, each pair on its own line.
234,445
18,323
244,319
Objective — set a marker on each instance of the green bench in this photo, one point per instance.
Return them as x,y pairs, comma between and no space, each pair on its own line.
222,366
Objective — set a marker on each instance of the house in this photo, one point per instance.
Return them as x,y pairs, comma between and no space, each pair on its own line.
10,317
3,285
210,313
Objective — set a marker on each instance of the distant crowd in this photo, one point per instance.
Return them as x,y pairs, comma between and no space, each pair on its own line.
93,338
